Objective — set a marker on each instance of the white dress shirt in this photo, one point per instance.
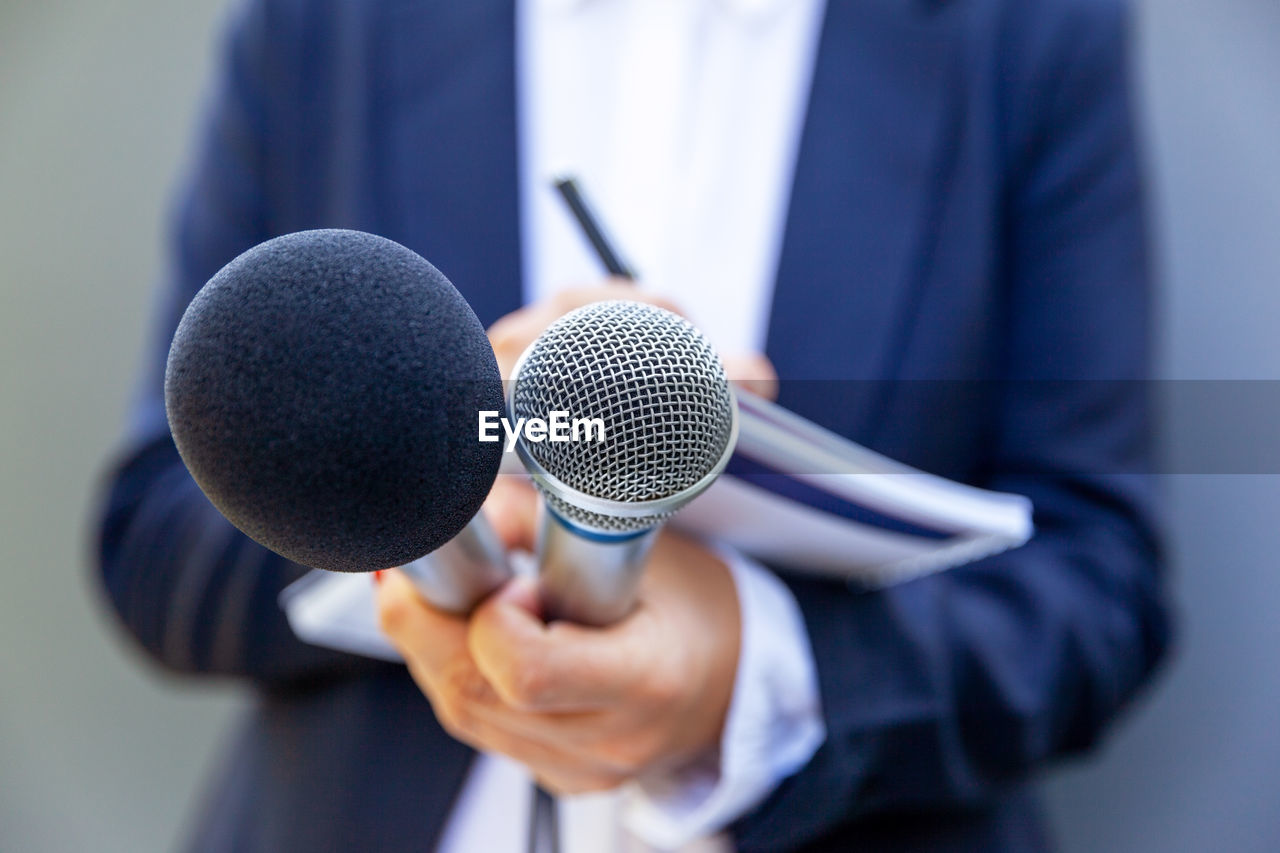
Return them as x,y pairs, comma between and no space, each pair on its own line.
681,120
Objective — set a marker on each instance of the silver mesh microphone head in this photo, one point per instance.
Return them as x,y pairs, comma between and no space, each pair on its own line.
670,417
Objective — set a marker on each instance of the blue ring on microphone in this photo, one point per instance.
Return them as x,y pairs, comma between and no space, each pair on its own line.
595,535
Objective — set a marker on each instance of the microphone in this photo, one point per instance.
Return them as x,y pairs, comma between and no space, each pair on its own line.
670,423
323,389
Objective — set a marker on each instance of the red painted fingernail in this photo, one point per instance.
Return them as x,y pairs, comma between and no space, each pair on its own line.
377,576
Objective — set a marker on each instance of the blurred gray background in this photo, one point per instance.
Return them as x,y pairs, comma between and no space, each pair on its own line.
98,752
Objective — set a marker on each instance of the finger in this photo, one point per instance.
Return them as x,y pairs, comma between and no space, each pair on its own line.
496,728
573,298
559,667
562,667
512,509
433,643
563,784
467,706
620,740
753,372
410,622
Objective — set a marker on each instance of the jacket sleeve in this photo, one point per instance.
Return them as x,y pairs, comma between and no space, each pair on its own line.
943,693
197,594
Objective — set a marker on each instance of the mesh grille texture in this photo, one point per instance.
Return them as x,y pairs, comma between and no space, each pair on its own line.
655,382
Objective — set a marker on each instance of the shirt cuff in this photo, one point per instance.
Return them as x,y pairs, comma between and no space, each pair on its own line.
773,728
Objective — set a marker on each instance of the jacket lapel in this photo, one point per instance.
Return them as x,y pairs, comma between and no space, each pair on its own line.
452,165
864,195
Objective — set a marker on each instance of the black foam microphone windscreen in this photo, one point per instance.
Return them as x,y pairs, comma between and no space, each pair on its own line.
323,391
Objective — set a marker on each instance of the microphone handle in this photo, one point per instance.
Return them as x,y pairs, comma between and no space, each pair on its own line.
460,573
585,577
589,579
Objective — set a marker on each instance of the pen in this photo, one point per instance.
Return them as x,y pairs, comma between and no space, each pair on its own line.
568,188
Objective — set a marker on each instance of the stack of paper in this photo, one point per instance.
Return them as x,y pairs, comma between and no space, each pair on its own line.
803,498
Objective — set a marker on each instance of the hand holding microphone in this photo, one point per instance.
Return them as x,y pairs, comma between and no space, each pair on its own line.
585,708
323,390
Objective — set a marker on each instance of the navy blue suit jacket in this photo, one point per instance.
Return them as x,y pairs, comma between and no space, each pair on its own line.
962,286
